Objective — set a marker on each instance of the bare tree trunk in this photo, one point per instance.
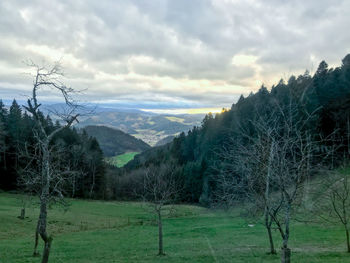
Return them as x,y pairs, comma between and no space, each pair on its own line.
286,253
23,213
285,258
268,228
42,231
47,248
44,199
268,222
35,253
272,247
160,234
347,237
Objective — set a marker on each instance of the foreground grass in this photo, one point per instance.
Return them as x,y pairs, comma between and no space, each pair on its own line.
94,231
122,159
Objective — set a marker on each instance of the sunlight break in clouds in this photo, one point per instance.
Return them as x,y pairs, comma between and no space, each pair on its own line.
184,111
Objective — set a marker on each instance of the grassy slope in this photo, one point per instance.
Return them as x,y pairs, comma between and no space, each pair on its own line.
93,231
114,142
122,159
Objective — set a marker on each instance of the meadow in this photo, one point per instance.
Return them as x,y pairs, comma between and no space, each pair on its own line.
101,231
122,159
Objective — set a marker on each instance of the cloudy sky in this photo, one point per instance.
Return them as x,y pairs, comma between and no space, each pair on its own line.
172,54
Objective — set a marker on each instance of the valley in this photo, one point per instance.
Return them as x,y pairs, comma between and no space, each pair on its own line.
149,127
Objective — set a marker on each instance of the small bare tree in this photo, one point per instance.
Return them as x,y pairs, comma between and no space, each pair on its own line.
48,176
26,200
159,191
332,202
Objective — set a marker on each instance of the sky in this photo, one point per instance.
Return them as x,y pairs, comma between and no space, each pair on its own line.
168,54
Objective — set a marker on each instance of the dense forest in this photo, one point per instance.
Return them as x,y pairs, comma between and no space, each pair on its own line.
325,97
77,150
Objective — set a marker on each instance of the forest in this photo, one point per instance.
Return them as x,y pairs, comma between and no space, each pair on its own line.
77,150
325,96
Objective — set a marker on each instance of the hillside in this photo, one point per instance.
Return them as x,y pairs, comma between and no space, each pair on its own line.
114,142
148,127
326,95
165,140
122,159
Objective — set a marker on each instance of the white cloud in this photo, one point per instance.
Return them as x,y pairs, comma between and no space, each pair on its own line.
200,51
244,60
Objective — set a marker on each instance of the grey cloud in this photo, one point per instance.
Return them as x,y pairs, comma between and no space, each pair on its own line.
193,40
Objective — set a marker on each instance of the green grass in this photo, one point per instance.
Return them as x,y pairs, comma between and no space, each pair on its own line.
102,232
122,159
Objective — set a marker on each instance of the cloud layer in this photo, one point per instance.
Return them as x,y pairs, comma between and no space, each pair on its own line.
199,52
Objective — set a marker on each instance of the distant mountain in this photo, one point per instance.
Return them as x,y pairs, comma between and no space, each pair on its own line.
149,127
165,140
114,142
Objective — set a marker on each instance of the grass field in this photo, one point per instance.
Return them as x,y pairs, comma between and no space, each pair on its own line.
122,159
96,231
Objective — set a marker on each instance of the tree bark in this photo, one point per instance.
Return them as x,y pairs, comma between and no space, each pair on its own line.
160,234
47,248
35,253
347,238
23,213
43,233
44,199
272,247
286,222
286,253
267,193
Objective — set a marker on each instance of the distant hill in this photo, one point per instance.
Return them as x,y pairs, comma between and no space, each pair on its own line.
148,127
114,142
165,140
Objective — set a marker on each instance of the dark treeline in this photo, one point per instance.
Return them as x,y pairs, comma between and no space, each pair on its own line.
325,96
78,151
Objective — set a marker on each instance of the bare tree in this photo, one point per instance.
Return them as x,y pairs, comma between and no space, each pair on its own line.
159,191
244,174
332,201
26,200
49,176
272,166
295,158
